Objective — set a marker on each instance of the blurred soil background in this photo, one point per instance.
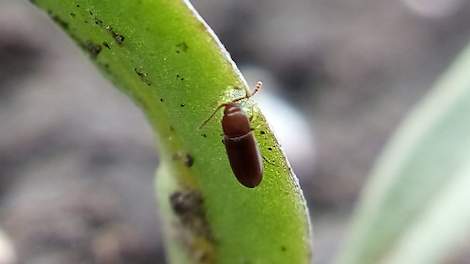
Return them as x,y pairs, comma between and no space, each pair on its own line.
77,158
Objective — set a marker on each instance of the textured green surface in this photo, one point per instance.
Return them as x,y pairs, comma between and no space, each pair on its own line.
165,58
416,207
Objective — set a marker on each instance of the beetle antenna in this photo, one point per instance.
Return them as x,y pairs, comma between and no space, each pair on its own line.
248,94
212,115
258,86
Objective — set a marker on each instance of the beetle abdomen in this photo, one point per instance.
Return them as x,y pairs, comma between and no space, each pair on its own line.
244,159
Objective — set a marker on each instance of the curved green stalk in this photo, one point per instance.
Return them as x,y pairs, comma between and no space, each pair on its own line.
416,208
170,63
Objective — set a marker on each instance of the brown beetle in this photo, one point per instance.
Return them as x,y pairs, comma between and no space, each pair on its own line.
239,141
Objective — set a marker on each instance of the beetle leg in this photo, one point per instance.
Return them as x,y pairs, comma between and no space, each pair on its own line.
252,114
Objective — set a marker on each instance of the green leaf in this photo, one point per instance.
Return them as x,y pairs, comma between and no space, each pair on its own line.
416,207
169,62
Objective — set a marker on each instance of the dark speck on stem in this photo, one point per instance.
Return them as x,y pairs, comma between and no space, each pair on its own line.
116,36
189,160
92,48
59,20
143,76
181,47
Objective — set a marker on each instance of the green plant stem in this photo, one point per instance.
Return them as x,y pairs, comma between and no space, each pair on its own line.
169,62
